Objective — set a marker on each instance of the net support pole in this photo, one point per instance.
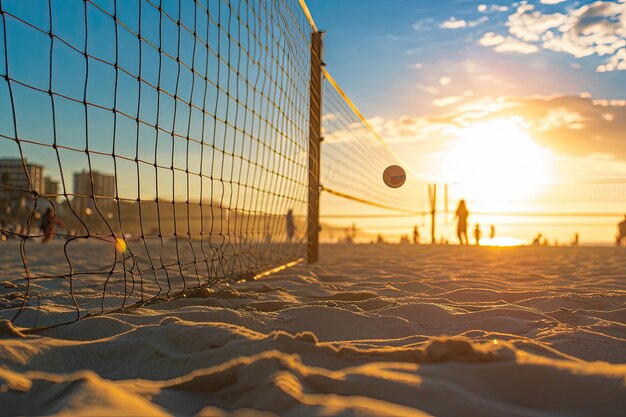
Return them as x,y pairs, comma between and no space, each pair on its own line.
315,140
432,194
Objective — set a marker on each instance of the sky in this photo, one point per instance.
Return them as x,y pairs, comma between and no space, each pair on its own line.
180,104
515,104
496,48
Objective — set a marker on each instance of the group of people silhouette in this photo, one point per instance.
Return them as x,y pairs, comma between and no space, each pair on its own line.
461,215
461,230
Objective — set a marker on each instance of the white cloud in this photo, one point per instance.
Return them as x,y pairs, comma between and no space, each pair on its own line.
491,39
417,65
560,117
507,44
529,25
453,23
552,1
478,21
483,8
445,80
570,125
447,101
423,24
596,28
427,89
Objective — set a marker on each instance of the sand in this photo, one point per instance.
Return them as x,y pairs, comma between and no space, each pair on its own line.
372,330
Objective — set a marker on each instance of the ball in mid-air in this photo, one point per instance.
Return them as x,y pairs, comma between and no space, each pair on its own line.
394,176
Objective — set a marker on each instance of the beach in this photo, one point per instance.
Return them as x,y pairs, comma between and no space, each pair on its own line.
370,330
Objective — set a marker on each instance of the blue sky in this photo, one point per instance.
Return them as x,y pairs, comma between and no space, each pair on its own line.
372,47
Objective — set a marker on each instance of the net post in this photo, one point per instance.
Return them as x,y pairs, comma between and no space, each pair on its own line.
432,194
315,139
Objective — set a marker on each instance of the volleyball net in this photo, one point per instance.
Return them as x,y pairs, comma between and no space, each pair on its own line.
154,146
353,160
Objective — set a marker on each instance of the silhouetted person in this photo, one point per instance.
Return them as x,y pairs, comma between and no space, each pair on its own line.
576,239
348,238
477,234
621,229
291,227
461,227
537,240
48,223
416,235
492,232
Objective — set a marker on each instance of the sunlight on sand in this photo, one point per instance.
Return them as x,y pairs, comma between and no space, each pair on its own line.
501,241
372,330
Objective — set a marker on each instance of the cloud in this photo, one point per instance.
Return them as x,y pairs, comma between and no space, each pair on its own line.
447,101
417,65
507,44
569,125
597,28
529,25
453,23
552,1
491,39
427,89
483,8
560,117
423,24
445,80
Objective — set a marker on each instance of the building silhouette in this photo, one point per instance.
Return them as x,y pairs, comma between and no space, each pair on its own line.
15,186
86,195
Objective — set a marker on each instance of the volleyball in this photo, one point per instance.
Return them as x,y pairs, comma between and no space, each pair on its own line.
394,176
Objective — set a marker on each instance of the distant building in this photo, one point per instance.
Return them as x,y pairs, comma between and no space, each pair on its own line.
13,178
50,186
103,192
103,185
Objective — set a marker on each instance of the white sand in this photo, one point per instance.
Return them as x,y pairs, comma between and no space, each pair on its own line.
369,331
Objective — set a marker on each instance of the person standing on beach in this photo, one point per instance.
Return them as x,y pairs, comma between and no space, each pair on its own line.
291,227
416,235
477,234
621,228
461,227
492,232
48,222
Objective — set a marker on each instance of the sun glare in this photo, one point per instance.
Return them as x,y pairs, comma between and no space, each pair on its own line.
496,161
501,241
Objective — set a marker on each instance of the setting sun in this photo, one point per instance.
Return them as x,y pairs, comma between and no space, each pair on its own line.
496,161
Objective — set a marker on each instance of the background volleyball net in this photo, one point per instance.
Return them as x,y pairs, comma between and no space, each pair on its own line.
353,159
166,141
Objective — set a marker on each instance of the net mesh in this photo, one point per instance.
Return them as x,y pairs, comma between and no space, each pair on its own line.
154,146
